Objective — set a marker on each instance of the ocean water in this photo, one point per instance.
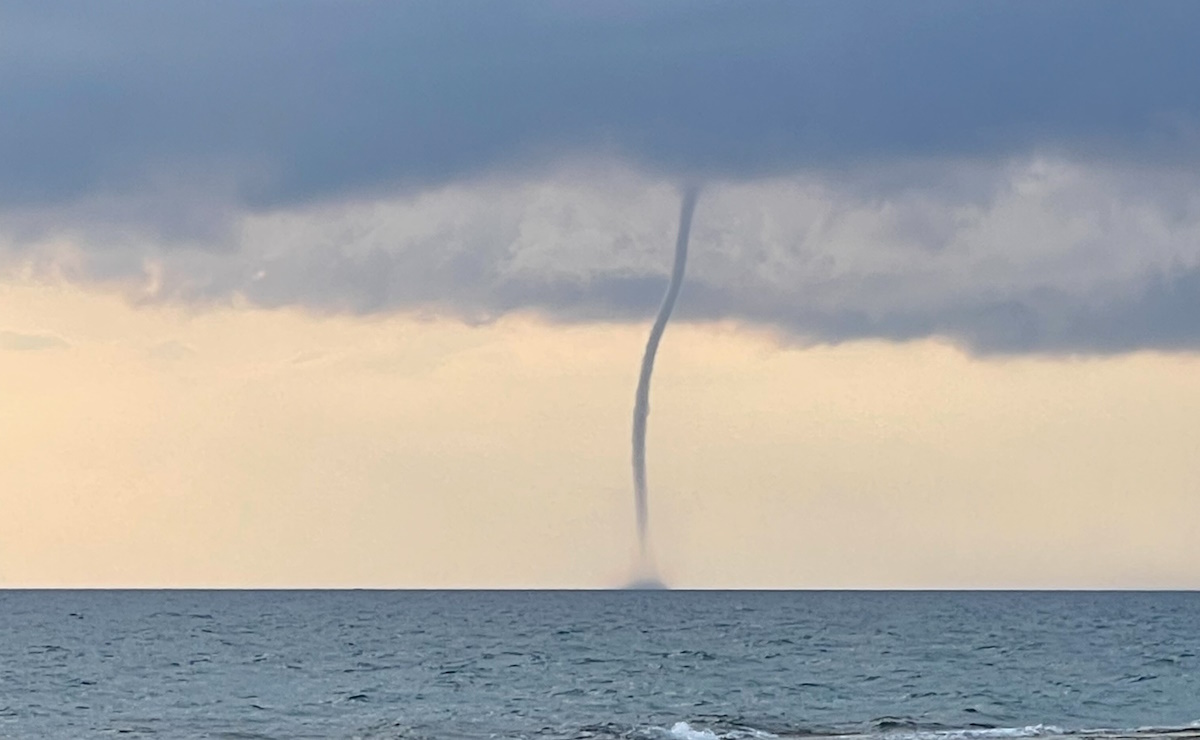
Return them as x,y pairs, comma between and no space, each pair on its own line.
642,665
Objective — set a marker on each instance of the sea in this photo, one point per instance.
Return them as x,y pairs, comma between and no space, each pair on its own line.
643,665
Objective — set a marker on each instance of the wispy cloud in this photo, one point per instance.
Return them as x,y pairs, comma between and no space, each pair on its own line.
20,342
171,350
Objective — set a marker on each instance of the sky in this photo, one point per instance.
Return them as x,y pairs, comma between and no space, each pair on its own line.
308,294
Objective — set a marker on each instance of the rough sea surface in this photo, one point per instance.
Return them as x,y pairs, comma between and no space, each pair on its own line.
653,665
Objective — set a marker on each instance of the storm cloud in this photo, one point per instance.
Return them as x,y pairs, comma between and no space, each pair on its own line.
285,101
1014,177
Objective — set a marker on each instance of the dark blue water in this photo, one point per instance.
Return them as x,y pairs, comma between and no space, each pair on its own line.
685,665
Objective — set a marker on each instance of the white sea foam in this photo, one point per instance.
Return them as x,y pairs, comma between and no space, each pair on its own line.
684,731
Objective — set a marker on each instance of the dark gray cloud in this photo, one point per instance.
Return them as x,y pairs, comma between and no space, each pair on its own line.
272,103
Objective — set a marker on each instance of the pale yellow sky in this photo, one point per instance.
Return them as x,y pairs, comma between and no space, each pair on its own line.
164,446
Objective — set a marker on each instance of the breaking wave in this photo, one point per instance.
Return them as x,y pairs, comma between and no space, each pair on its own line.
890,728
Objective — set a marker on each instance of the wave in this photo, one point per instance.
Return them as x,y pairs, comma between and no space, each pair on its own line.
684,731
892,728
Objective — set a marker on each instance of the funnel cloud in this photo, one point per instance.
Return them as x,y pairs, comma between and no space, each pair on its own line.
641,407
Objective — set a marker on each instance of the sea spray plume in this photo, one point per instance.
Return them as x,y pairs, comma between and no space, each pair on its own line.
641,407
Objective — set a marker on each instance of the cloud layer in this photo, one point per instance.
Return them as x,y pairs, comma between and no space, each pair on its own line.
1042,255
282,102
1018,178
